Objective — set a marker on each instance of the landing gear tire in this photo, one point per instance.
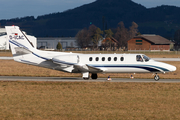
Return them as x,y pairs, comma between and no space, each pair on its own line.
156,77
86,78
94,76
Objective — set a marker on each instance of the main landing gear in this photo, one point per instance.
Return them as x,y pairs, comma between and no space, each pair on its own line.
94,76
86,76
156,77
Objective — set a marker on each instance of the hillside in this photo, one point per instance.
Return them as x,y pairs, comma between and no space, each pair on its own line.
162,20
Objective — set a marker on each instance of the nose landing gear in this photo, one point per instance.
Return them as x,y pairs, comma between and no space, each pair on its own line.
156,77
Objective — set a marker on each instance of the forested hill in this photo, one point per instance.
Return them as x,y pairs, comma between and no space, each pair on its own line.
162,20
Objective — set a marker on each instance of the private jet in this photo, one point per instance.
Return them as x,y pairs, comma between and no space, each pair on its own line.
88,64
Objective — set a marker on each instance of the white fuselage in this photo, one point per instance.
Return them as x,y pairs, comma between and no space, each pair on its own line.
124,63
107,63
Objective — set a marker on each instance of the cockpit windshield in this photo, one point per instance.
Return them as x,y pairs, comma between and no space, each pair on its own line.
146,58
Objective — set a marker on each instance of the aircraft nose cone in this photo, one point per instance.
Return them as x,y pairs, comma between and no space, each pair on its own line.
173,68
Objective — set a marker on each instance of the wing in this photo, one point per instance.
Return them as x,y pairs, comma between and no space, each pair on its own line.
87,68
94,69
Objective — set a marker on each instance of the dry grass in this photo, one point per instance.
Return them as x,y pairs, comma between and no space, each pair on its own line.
85,101
12,68
5,53
89,101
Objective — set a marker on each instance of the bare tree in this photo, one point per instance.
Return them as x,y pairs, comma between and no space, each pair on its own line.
133,30
177,40
85,37
92,31
122,35
94,34
82,38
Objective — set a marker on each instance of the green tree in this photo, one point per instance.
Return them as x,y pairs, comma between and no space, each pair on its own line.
59,46
109,33
97,37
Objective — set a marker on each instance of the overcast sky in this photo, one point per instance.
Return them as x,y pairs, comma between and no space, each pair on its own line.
21,8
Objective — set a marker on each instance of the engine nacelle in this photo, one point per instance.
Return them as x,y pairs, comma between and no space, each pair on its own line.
66,59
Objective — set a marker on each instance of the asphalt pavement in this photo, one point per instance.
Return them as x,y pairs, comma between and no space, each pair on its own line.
74,79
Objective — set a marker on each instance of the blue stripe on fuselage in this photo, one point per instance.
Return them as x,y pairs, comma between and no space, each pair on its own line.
145,67
18,44
40,56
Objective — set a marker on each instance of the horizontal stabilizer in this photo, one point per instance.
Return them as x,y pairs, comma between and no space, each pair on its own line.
21,51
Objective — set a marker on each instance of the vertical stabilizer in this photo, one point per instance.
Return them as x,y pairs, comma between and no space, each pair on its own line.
19,43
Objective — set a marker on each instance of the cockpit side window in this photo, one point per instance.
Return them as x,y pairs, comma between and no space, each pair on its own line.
146,58
139,58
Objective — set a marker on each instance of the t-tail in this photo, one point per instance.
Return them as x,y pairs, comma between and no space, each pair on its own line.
23,50
19,43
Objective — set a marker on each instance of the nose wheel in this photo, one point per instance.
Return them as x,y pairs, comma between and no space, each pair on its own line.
156,77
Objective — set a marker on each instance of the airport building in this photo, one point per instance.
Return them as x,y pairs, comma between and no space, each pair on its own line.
4,42
51,42
149,43
42,42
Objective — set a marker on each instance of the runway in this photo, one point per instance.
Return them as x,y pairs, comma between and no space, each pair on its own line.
74,79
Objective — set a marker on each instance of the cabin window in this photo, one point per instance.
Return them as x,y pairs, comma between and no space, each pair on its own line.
90,59
139,58
97,58
103,58
109,58
122,58
115,58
